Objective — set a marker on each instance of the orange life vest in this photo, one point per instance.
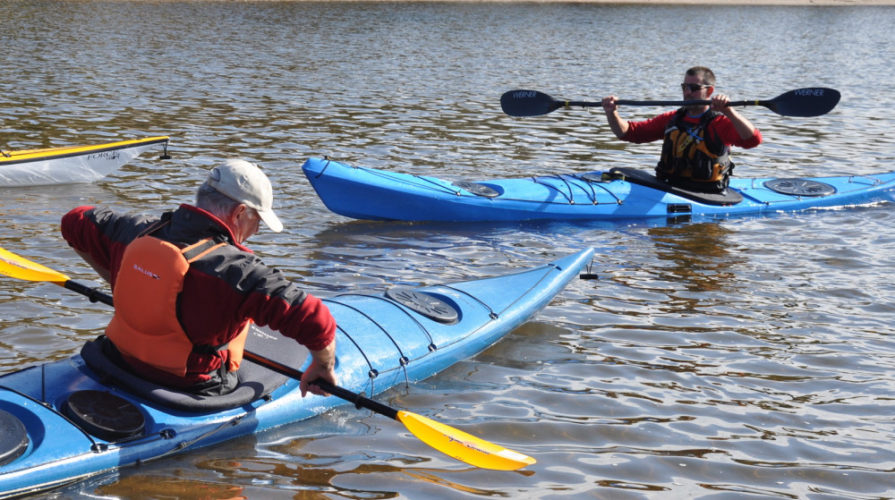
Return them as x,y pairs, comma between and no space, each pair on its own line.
689,154
145,324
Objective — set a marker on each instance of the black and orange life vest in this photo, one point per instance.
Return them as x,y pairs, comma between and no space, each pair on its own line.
145,324
691,155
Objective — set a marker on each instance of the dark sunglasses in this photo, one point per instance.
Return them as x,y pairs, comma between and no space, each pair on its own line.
693,87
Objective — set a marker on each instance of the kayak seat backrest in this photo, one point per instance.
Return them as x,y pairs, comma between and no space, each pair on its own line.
255,381
643,178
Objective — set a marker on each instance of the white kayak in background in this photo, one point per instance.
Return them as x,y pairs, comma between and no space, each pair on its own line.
71,164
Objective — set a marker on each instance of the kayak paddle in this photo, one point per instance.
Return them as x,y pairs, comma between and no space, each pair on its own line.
454,442
448,440
812,101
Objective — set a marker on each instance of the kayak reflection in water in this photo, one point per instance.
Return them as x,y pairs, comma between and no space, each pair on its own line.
186,290
697,138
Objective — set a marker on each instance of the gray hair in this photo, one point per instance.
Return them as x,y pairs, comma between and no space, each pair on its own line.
212,200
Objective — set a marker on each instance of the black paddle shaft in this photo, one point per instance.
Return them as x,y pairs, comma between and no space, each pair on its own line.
813,101
340,392
94,294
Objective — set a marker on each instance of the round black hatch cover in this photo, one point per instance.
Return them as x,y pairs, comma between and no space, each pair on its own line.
800,187
13,437
104,415
477,189
428,305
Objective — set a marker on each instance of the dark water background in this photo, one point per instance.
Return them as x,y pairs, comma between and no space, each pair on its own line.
749,357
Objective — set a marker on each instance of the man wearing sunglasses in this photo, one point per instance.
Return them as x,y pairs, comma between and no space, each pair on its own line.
695,154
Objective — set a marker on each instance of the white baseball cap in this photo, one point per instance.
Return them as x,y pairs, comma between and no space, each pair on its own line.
246,183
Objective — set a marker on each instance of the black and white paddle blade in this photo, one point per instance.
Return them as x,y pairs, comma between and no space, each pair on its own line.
528,103
811,101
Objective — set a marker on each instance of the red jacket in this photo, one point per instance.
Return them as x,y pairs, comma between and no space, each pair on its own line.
220,291
721,128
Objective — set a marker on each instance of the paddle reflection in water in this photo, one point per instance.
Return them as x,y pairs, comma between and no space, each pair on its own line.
148,486
308,460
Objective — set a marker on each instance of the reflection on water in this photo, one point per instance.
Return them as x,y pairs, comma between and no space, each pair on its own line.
699,255
143,486
721,359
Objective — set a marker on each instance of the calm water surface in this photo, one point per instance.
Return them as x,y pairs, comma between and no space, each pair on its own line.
736,358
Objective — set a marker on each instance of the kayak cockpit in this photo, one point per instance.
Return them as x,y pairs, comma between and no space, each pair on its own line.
643,178
255,381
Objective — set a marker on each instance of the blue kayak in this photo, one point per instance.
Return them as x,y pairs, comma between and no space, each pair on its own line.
71,419
616,194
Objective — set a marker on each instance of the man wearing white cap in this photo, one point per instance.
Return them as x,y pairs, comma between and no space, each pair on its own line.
186,289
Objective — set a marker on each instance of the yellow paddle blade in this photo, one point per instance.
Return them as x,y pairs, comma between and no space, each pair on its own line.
21,268
462,446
